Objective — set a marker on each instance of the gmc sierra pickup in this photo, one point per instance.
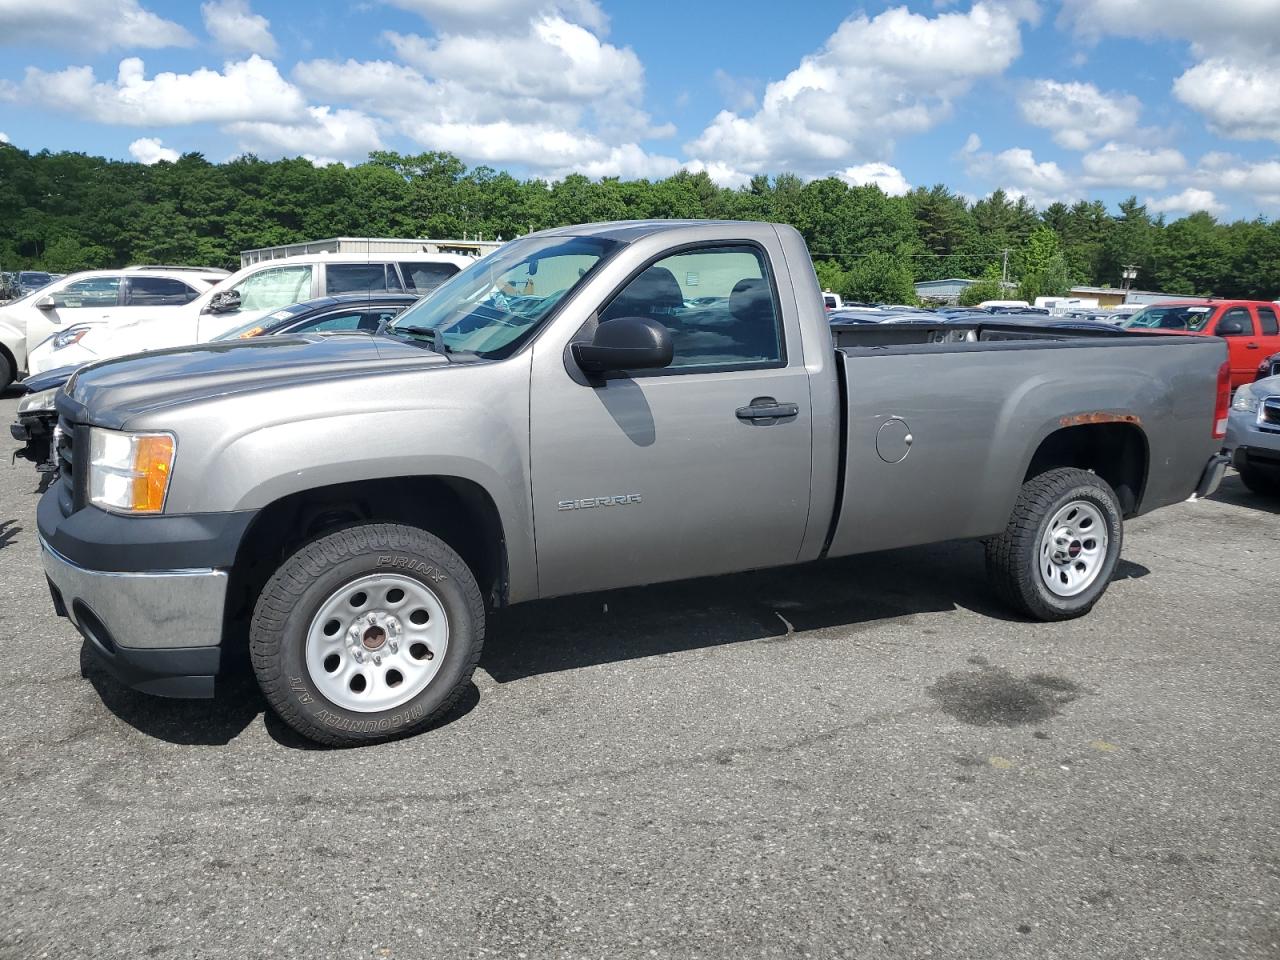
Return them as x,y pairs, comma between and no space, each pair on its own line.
587,408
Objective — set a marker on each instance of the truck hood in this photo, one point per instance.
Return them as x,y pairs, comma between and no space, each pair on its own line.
109,393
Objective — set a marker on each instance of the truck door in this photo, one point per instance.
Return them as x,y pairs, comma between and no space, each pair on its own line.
1269,328
701,468
1236,326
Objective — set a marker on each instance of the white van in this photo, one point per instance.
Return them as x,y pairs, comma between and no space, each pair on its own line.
246,295
94,296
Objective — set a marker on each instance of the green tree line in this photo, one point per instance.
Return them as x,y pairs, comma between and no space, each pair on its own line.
70,211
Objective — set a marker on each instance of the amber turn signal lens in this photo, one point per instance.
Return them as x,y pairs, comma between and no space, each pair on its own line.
153,459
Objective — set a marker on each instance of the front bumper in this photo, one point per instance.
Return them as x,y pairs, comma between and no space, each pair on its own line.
1214,471
158,632
1250,441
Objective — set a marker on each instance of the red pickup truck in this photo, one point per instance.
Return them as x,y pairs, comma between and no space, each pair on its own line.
1250,327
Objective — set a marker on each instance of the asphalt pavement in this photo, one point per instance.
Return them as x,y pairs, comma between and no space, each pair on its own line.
867,758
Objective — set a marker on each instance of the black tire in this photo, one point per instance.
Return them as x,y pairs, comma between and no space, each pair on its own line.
1013,558
1263,482
6,372
292,597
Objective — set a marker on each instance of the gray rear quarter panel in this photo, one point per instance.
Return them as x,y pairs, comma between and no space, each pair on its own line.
978,412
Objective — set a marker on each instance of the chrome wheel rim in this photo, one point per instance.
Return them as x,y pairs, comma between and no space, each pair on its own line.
1073,549
377,642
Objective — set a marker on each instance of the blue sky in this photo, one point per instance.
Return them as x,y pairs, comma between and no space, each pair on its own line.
1172,100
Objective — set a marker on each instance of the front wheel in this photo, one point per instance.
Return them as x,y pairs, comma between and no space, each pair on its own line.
1059,552
367,634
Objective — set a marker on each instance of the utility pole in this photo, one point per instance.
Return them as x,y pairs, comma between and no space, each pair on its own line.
1004,268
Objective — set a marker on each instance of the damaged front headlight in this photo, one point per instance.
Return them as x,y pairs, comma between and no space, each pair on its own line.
41,402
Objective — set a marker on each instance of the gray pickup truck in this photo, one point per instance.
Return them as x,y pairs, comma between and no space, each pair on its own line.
587,408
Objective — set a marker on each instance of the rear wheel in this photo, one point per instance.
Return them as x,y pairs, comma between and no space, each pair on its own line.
6,372
367,634
1264,482
1058,554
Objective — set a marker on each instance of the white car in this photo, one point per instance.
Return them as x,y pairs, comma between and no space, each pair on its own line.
246,295
94,296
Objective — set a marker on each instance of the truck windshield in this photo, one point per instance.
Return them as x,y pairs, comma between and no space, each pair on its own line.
1169,318
499,302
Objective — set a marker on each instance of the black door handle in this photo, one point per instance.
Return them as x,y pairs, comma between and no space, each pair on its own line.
767,408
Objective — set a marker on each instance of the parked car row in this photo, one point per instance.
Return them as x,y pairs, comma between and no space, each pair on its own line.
19,284
100,314
37,418
1250,327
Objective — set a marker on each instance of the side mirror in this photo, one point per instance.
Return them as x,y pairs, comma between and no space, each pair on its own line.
628,343
1231,328
45,303
224,302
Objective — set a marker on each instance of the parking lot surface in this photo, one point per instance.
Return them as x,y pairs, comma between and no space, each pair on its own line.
865,758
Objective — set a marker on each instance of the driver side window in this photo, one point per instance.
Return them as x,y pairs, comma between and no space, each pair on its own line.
93,292
718,302
1235,317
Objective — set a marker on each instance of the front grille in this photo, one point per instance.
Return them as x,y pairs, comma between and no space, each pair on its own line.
1269,413
69,440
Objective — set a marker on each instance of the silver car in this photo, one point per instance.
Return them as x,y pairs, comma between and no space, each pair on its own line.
1253,435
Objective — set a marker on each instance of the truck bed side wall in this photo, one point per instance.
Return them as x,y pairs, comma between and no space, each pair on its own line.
978,412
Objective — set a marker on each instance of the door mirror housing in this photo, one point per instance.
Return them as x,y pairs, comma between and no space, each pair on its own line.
1231,327
45,303
223,302
627,343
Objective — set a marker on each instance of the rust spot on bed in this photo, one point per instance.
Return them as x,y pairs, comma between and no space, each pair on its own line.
1100,416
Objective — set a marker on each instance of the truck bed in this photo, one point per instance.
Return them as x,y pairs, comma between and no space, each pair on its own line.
977,401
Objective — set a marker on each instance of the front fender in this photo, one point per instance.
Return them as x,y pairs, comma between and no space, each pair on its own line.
14,339
243,452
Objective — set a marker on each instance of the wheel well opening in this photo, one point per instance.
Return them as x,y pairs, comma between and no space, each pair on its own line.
1116,452
457,511
13,364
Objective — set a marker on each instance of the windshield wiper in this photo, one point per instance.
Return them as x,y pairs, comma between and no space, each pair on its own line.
434,337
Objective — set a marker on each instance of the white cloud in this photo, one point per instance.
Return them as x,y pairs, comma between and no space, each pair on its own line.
721,174
1259,181
1224,25
1236,99
495,15
375,84
738,92
1190,200
549,149
150,150
1123,165
887,178
874,80
1018,173
532,88
1235,42
4,137
1079,114
320,134
87,24
249,89
553,71
234,27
